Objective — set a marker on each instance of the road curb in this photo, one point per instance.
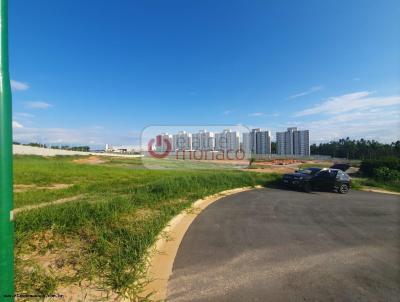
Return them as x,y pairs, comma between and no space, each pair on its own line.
162,253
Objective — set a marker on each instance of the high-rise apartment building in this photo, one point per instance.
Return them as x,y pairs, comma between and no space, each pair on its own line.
246,144
257,142
263,142
293,142
301,142
227,140
203,140
163,142
182,141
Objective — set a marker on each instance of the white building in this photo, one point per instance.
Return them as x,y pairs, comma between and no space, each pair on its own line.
246,143
301,142
227,140
253,140
182,141
203,140
293,142
119,149
263,142
256,142
280,143
161,143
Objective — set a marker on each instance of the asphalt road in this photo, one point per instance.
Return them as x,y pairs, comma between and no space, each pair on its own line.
276,245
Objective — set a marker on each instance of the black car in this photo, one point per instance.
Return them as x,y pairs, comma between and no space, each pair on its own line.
326,179
297,179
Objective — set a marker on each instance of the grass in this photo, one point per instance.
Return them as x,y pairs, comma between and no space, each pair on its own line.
316,165
359,183
104,235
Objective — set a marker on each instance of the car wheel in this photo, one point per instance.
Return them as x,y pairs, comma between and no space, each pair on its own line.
307,187
343,189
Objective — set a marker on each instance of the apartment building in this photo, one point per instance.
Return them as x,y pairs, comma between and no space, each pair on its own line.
301,142
246,143
203,140
257,142
293,142
227,140
182,141
161,143
263,142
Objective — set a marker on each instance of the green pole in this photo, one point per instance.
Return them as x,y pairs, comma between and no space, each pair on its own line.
6,175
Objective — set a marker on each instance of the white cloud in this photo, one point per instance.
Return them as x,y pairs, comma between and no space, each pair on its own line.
37,105
357,115
19,86
350,102
15,124
24,115
257,114
381,127
307,92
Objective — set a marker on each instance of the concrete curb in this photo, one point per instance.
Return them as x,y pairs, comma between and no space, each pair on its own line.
377,190
162,253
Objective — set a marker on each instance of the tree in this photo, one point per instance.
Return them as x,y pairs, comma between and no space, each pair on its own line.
356,149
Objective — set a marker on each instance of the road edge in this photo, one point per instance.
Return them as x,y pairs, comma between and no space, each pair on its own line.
162,253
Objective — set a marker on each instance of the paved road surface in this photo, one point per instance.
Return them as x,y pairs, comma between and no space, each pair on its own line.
275,245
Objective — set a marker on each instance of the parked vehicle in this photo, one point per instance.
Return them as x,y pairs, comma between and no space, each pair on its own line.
296,180
326,179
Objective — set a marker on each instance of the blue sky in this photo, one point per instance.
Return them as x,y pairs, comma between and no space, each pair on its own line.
96,72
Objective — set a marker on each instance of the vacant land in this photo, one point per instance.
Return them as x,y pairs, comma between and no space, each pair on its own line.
102,217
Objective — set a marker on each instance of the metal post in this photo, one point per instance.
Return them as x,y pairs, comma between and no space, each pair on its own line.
6,175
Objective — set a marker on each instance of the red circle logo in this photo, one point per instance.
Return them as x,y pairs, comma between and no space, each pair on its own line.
157,154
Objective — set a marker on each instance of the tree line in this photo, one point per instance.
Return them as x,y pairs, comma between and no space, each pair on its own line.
63,147
357,149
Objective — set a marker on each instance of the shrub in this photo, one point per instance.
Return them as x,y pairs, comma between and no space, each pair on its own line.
369,167
386,174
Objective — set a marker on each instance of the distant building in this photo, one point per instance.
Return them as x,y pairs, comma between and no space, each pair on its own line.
161,144
182,141
246,143
301,142
119,149
263,142
253,140
256,142
293,142
203,140
227,140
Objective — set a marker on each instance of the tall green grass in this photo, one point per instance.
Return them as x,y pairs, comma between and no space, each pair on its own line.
116,220
359,183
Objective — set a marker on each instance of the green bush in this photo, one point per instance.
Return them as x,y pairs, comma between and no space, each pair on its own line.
386,174
370,166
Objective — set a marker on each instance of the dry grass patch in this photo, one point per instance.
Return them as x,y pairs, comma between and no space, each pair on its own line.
50,203
48,260
23,188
